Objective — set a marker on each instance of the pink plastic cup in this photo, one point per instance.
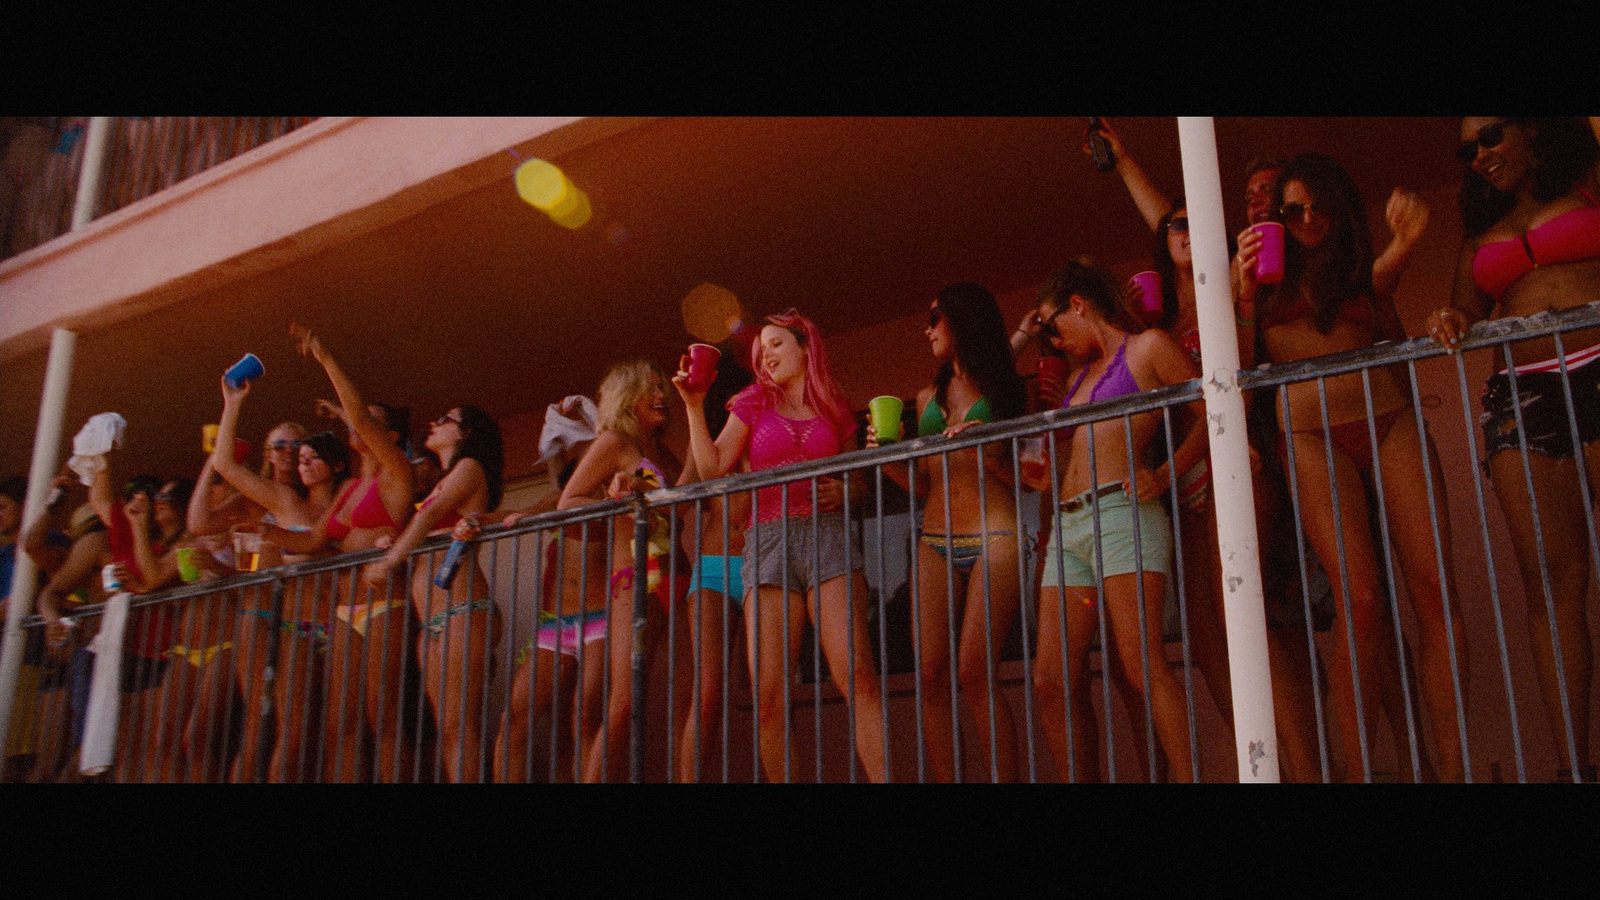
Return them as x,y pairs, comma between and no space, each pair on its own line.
1148,304
702,366
1269,262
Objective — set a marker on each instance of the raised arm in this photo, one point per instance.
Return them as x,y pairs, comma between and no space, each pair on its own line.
1152,203
46,556
372,432
594,472
263,491
205,516
712,459
1407,215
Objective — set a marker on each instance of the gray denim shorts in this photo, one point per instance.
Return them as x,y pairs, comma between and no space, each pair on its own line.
813,558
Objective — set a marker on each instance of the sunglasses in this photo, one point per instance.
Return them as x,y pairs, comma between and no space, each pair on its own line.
167,497
1489,137
1047,325
1180,225
446,418
935,316
281,445
1297,212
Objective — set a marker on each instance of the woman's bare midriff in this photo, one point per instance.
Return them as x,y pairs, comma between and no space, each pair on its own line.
1548,289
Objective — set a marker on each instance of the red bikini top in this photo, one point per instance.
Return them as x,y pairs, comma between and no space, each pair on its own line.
1572,236
368,513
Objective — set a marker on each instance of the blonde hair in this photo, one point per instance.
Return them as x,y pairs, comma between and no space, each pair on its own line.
620,393
300,434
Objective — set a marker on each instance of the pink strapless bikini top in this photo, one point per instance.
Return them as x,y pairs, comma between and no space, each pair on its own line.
1572,236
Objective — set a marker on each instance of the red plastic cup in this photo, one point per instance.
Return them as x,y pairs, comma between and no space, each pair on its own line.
702,366
1148,304
241,450
1269,262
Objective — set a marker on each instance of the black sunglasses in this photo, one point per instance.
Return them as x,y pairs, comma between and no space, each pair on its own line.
1489,137
935,316
1296,212
1047,325
1179,224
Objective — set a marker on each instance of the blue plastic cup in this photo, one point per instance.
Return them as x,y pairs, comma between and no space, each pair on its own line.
244,371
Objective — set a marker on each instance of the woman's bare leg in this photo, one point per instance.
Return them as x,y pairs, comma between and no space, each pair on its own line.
1077,755
842,603
702,728
982,643
1567,560
771,662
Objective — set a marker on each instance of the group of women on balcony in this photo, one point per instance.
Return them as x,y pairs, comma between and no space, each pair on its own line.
1348,454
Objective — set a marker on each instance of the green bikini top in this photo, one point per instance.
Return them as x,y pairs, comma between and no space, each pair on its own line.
933,421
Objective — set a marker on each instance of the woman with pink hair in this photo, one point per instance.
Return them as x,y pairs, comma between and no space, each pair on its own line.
797,545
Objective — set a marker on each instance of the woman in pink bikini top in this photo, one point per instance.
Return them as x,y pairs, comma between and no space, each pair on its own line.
1530,206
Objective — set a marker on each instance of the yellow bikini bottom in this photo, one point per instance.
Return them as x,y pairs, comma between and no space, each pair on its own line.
199,656
361,615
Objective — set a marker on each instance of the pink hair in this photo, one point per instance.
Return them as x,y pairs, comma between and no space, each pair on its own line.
822,391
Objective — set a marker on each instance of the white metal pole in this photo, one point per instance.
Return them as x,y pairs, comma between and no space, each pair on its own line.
46,453
1255,737
92,173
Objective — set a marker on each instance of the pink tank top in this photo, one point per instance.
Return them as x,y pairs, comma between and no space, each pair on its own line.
777,440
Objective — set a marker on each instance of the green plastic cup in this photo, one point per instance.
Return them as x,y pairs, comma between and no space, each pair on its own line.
885,412
187,570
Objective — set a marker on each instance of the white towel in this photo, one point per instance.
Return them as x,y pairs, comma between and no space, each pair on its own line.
563,430
105,688
95,439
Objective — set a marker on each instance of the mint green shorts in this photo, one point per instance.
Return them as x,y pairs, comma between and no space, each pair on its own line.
1070,558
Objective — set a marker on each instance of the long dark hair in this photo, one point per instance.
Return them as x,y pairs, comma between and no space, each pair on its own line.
336,453
1346,267
1563,150
1087,280
983,348
480,440
1167,267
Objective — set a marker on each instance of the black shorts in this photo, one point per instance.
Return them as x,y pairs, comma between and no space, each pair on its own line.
1544,412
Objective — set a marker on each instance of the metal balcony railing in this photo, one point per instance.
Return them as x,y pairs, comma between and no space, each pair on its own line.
265,677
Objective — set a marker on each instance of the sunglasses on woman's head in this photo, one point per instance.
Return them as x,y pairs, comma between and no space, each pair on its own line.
1489,137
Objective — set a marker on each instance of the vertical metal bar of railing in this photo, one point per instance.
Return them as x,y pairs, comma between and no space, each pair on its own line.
1183,605
1054,518
957,745
727,649
1023,571
1387,546
883,634
991,665
1444,566
269,683
641,557
816,645
752,544
1106,661
1292,479
1106,639
915,570
1584,488
1361,736
605,681
1488,559
1544,565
